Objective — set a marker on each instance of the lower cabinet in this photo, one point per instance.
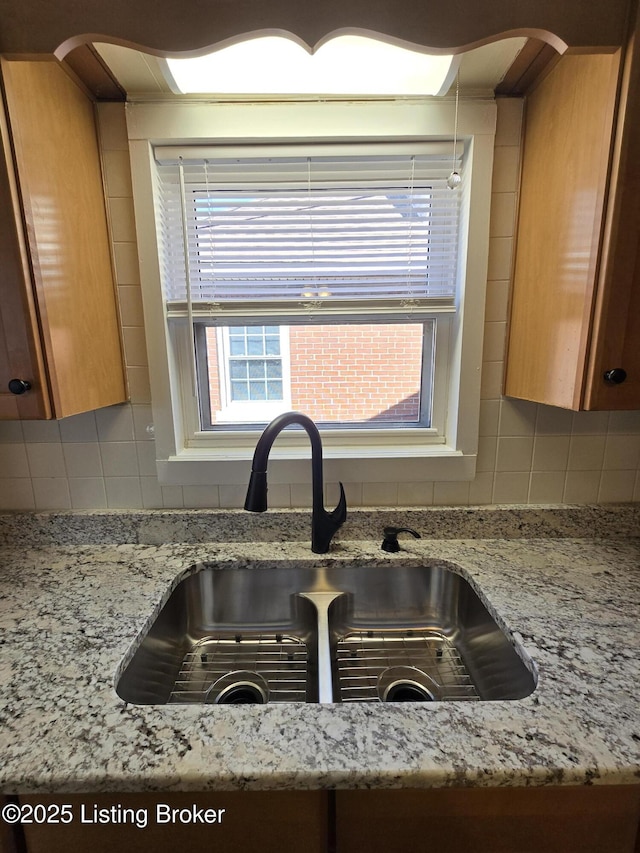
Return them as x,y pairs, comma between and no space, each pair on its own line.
224,821
594,819
591,819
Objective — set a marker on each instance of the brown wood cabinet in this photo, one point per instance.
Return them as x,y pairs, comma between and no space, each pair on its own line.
59,325
575,302
244,821
595,819
585,819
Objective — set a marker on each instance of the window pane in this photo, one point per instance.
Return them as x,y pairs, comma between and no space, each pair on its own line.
272,345
256,369
237,346
274,390
239,391
364,374
257,391
238,369
255,345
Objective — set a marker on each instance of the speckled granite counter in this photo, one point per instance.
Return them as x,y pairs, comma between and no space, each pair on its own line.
76,589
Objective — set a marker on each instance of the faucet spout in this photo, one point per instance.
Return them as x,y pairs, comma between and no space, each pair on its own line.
323,524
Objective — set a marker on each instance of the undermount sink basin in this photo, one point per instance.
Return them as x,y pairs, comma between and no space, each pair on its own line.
401,632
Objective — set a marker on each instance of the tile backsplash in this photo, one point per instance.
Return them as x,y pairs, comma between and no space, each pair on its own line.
528,453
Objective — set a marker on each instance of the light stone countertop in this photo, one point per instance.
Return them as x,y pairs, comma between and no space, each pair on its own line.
76,590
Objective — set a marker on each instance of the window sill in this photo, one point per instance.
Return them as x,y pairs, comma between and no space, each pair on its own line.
374,463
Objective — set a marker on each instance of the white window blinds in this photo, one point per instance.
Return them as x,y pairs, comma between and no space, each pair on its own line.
337,227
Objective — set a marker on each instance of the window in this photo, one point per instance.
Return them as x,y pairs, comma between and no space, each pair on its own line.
244,373
343,279
301,235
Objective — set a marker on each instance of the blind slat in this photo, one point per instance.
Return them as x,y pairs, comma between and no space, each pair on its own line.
280,228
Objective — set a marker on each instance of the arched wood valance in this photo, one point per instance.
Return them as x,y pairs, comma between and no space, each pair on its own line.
191,26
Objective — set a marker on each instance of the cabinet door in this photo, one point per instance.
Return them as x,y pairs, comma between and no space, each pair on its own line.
20,352
53,132
264,821
616,336
566,147
490,820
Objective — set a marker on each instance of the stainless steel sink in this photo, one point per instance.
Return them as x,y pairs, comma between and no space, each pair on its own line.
374,632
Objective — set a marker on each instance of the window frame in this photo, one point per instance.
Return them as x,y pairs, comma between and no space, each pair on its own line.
186,457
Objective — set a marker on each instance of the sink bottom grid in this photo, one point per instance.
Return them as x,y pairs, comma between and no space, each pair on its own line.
364,658
276,660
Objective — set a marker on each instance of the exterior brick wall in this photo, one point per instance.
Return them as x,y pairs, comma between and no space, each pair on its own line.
348,372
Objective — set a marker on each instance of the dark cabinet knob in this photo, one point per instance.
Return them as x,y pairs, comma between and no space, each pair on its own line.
19,386
615,376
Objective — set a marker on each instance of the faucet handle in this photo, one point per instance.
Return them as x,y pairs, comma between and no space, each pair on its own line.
391,543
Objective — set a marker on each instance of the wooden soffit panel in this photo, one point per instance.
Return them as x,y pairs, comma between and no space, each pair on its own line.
167,26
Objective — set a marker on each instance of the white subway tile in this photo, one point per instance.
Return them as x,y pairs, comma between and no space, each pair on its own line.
586,452
550,452
135,346
130,298
41,431
581,487
13,461
621,452
380,494
123,224
503,213
514,453
87,493
553,421
51,493
497,301
494,341
590,423
117,172
506,169
16,493
202,496
123,492
82,459
481,489
500,249
450,494
491,384
510,488
126,260
46,460
172,497
546,487
11,432
119,459
415,494
115,423
79,428
509,123
139,387
151,493
489,417
112,124
616,486
487,450
517,417
146,458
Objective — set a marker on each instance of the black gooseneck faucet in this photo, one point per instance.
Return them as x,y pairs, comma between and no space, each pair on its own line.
323,524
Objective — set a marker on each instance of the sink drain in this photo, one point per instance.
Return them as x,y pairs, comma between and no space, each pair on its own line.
238,688
406,684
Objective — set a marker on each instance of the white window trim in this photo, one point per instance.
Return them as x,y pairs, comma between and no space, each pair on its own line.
408,454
